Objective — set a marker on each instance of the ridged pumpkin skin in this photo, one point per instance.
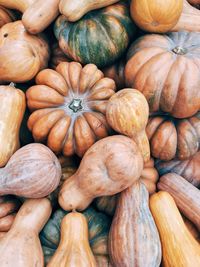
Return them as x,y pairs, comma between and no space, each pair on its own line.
98,224
170,138
109,31
156,16
27,53
74,248
35,16
74,10
6,16
12,110
127,113
21,247
133,237
179,248
186,196
107,168
172,87
32,172
69,105
188,169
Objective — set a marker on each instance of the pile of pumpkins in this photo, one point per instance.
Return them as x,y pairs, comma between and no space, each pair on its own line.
99,133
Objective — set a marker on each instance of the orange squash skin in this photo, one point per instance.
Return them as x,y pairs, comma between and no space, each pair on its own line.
6,16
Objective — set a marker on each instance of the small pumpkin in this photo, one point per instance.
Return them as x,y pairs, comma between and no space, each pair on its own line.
107,168
179,248
32,172
127,113
6,16
188,169
12,110
170,138
69,106
133,232
172,87
109,31
22,55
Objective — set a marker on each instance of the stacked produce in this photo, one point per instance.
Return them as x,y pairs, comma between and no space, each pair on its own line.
99,133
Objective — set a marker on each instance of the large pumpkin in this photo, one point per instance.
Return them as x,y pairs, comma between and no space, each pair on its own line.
166,69
69,105
170,137
100,37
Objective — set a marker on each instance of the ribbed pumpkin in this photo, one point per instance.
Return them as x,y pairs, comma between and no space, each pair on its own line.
6,16
69,105
100,37
170,137
98,223
172,86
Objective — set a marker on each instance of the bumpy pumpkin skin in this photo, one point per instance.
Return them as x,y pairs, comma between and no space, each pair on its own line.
109,31
170,138
172,87
69,105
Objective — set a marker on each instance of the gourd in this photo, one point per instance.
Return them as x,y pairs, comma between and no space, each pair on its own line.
109,32
6,16
69,106
74,10
188,169
179,248
35,17
21,247
32,172
127,113
156,16
170,138
108,167
186,196
27,53
12,110
133,233
98,224
167,87
74,248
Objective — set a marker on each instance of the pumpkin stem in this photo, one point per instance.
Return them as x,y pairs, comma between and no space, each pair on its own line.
179,50
76,105
12,84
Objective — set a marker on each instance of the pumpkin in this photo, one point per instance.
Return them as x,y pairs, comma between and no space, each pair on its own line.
27,53
21,247
170,138
98,224
179,248
6,16
108,167
192,228
127,113
57,56
172,87
109,31
35,16
69,105
189,19
12,109
156,16
186,196
133,233
32,172
188,169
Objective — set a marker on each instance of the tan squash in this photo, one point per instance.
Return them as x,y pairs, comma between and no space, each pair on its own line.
108,167
37,14
33,172
74,249
186,196
127,113
74,10
156,16
12,110
21,247
22,55
179,248
133,237
6,16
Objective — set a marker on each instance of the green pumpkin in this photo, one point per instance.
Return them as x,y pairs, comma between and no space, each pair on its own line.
100,37
98,224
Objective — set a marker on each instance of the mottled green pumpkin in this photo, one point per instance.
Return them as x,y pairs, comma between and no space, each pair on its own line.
99,225
100,37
